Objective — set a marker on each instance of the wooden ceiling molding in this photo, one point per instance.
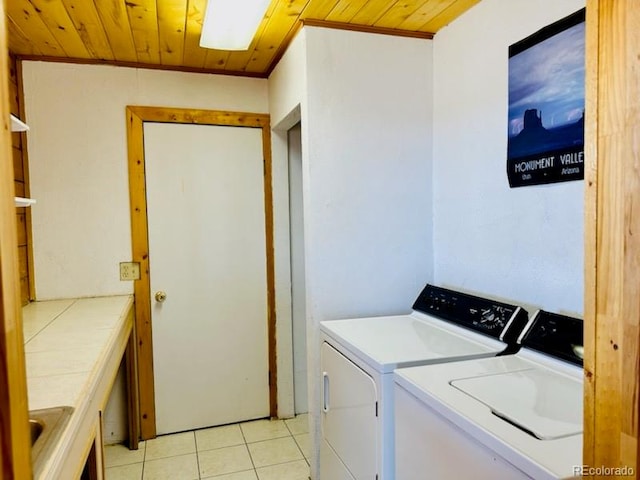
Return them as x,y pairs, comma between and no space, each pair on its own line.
165,34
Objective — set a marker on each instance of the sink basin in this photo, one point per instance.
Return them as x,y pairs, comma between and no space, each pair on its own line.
46,426
35,427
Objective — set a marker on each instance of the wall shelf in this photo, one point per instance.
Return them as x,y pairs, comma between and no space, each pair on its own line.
18,125
24,202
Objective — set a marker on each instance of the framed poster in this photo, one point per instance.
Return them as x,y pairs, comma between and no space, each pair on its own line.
546,105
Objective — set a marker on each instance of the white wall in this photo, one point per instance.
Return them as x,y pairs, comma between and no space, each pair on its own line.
366,111
78,162
78,174
287,84
523,244
368,171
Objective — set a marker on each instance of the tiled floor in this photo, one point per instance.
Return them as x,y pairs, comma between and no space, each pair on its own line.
258,450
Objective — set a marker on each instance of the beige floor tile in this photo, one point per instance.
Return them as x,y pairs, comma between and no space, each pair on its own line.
219,437
224,460
272,452
170,445
259,430
116,455
182,467
303,442
248,475
285,471
124,472
298,425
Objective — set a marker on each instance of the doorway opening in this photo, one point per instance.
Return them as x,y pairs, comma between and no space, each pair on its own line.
298,289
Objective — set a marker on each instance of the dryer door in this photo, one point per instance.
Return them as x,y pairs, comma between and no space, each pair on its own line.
349,421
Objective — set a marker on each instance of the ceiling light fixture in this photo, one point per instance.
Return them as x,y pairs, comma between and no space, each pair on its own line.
231,24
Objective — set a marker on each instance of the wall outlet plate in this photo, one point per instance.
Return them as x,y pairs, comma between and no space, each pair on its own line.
129,271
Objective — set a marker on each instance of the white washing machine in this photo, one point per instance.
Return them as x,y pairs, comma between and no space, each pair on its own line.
358,357
510,417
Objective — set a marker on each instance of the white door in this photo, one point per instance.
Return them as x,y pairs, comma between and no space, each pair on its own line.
206,220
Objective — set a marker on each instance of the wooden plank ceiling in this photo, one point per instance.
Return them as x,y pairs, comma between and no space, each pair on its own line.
165,33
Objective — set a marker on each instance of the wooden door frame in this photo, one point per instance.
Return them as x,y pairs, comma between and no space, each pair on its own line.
136,116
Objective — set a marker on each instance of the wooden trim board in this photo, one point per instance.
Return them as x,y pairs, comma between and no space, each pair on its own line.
612,242
133,399
136,116
590,226
312,22
27,186
145,66
15,446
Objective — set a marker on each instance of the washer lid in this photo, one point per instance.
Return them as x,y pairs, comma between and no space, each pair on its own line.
544,404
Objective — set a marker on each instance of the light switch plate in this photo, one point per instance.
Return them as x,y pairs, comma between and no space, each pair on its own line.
129,271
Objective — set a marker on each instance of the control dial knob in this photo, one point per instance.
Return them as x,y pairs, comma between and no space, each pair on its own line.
491,318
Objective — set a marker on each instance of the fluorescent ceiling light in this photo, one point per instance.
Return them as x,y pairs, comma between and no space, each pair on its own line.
231,24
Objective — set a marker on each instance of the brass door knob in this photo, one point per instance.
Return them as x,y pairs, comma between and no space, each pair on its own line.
161,296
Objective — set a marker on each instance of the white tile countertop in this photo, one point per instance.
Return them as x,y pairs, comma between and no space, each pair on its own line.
73,349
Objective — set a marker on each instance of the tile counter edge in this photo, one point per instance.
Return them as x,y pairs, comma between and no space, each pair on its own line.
68,456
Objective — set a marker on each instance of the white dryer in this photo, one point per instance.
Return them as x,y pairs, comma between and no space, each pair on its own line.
358,357
509,417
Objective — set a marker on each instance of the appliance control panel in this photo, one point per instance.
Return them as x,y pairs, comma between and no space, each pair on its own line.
498,320
557,335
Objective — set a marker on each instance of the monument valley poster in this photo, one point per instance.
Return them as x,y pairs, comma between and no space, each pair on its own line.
546,105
